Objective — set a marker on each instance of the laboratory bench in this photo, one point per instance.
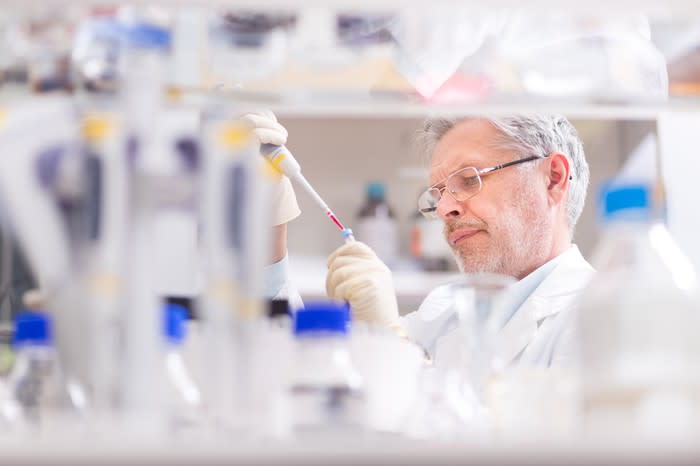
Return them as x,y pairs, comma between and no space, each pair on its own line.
381,452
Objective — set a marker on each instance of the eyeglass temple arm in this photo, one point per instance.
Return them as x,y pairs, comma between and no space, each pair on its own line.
508,164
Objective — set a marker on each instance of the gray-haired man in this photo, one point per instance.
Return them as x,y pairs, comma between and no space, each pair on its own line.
509,191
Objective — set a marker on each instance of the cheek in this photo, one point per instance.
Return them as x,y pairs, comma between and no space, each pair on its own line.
491,208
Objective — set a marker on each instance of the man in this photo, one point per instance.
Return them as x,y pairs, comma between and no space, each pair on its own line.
509,191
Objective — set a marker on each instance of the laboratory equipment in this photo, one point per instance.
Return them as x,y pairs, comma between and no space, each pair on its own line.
145,54
638,320
105,191
432,44
233,200
482,311
283,160
428,245
390,368
279,314
39,397
326,393
185,399
467,358
376,225
444,409
617,59
41,209
94,57
247,45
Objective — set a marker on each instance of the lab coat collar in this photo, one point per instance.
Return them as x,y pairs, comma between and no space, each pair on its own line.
555,293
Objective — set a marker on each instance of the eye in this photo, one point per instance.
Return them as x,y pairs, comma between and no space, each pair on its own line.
471,180
467,182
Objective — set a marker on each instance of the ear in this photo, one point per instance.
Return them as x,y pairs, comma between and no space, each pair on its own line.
558,176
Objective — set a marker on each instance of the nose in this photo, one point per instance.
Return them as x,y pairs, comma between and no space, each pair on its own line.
448,208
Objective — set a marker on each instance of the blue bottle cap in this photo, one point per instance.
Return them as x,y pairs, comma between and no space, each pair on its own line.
33,328
144,35
322,317
628,201
375,191
174,319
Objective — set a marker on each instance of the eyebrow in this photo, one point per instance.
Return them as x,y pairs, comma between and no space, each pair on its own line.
440,184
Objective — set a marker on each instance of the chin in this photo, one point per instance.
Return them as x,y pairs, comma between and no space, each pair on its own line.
475,264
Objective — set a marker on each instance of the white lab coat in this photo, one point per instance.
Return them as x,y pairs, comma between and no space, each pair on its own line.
539,334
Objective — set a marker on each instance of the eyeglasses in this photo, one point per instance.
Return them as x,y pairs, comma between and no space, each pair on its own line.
463,184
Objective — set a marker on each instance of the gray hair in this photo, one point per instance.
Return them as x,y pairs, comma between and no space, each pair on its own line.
528,135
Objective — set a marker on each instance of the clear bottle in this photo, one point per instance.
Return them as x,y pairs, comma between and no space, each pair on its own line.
638,321
185,399
326,392
428,245
377,224
38,396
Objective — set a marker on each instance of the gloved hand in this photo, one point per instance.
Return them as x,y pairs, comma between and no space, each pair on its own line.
269,131
357,275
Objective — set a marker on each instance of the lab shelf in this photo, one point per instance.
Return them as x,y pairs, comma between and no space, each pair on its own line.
651,7
347,105
582,111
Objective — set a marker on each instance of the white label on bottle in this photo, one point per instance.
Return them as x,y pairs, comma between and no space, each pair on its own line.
380,234
433,242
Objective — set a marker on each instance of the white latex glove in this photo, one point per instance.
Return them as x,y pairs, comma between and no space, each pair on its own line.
357,275
269,131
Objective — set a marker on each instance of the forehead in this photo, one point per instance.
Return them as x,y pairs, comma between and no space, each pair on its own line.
469,143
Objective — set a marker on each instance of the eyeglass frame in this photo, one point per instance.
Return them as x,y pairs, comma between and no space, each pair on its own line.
479,173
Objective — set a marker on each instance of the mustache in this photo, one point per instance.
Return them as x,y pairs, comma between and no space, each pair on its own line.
464,223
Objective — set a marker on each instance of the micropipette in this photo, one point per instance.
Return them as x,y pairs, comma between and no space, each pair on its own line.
282,159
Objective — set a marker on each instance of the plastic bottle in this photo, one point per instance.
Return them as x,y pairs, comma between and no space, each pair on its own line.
377,224
428,245
38,395
143,64
640,353
326,392
186,400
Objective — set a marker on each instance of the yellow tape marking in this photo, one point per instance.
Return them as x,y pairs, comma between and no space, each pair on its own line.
234,136
96,128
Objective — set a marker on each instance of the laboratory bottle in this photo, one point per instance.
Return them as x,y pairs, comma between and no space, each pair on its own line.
638,325
38,395
428,245
326,393
185,399
144,61
278,313
377,225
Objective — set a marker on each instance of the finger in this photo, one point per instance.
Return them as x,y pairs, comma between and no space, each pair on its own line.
339,275
277,137
345,261
353,248
263,118
267,113
260,122
361,296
